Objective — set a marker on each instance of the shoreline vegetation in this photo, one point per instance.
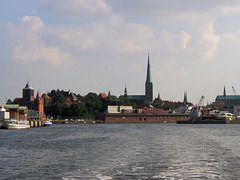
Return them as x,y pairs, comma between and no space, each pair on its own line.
88,109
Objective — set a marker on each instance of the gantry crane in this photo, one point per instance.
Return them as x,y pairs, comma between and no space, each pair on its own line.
234,92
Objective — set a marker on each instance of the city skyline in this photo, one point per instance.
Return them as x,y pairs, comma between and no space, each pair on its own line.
101,45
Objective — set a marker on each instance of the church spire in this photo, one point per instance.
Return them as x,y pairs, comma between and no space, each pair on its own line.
185,96
125,91
224,91
149,78
148,85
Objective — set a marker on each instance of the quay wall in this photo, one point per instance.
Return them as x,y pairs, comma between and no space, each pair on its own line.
145,118
35,123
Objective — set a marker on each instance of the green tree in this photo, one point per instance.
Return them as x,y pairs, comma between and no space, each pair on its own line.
59,98
56,109
114,101
93,104
9,101
105,103
77,110
124,101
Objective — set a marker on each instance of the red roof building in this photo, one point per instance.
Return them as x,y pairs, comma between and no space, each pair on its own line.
102,95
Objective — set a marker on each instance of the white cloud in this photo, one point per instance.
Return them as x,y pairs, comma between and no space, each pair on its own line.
27,44
104,36
174,42
210,40
185,39
32,23
29,53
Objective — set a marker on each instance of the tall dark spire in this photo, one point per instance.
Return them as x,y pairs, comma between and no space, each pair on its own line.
224,91
148,84
185,96
149,78
125,91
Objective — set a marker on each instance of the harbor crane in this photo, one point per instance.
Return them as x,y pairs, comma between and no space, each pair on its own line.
196,113
234,92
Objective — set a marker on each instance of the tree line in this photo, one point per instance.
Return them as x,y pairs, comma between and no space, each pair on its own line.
92,105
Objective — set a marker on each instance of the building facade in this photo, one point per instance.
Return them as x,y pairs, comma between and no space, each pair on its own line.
35,105
229,100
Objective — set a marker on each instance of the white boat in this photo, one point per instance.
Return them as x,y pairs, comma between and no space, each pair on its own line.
16,124
47,123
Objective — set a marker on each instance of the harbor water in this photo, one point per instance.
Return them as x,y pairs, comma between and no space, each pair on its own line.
121,151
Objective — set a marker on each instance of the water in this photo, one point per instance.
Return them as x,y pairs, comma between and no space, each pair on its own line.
121,151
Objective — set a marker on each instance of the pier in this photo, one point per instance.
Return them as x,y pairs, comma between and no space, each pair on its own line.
144,118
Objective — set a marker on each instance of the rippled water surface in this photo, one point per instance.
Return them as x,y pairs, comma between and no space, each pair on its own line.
121,151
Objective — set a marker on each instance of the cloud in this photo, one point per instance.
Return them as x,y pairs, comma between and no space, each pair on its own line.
75,8
32,23
185,39
174,41
30,53
209,40
103,36
27,44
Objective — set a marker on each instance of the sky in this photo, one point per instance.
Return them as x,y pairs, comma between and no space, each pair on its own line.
100,45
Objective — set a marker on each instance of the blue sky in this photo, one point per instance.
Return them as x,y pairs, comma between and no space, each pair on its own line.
101,45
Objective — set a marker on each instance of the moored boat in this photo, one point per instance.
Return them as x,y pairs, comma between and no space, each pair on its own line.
47,123
16,124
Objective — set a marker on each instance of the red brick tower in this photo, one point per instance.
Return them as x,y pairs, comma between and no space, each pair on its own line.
39,103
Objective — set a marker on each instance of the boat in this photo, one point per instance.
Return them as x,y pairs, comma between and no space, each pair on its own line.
16,124
196,117
203,121
47,123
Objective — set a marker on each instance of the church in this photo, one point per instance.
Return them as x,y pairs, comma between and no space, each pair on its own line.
140,100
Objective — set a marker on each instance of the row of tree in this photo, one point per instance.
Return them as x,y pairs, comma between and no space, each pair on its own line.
92,105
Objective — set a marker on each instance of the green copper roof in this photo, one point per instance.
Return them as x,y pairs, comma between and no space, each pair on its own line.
149,78
11,106
135,97
22,108
228,97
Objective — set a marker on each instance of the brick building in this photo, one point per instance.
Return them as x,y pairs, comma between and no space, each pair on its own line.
29,101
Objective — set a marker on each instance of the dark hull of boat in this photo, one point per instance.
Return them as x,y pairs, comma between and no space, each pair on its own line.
205,121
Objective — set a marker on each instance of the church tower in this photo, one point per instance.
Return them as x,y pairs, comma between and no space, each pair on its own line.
185,97
39,103
148,85
125,91
28,96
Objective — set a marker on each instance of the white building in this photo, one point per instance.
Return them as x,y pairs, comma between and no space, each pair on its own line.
119,109
4,114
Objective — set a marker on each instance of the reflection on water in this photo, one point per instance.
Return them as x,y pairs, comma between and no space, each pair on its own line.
121,151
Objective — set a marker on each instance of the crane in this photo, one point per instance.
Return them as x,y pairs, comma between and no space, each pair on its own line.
234,92
196,113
